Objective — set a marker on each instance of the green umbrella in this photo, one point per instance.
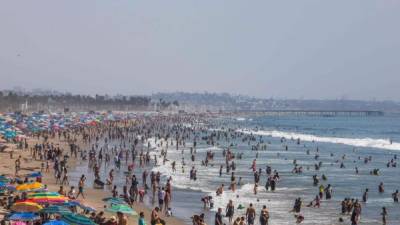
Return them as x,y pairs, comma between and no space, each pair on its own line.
4,179
44,194
113,200
76,219
55,209
122,208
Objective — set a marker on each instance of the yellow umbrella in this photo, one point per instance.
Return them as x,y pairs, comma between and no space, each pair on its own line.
29,186
26,207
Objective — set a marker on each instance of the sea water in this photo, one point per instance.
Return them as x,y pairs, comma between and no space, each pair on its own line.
354,137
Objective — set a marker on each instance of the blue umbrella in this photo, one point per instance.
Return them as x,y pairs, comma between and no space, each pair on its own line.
113,200
23,216
55,222
55,209
71,204
34,175
11,188
87,208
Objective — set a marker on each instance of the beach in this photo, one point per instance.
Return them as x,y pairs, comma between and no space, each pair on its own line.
325,171
93,196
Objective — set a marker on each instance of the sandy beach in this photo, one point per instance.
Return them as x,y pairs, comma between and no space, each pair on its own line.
93,196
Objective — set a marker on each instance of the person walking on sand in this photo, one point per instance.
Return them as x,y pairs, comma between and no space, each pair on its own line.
81,185
141,220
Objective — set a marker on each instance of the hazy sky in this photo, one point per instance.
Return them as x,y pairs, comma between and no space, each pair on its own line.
285,49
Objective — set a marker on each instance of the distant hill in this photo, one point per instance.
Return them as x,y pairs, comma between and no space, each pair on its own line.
16,100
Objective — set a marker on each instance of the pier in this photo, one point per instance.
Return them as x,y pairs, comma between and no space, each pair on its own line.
322,113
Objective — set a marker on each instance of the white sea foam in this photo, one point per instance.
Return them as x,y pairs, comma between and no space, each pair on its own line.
357,142
243,195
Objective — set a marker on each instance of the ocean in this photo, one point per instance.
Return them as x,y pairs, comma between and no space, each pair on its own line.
338,139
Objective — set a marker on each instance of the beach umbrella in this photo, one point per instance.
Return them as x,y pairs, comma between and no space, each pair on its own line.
47,197
55,222
86,207
55,209
123,208
45,194
18,223
70,204
29,186
26,207
76,219
113,200
23,216
34,175
4,179
11,187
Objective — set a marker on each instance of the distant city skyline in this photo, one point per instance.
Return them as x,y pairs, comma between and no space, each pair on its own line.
302,49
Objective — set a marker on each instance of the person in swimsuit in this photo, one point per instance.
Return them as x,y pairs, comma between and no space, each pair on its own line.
230,210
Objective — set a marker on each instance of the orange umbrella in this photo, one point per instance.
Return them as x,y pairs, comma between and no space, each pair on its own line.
29,186
26,207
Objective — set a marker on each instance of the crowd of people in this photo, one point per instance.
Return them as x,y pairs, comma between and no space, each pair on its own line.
111,146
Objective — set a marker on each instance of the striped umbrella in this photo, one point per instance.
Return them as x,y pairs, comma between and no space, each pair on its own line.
121,208
26,207
76,219
29,186
55,209
47,197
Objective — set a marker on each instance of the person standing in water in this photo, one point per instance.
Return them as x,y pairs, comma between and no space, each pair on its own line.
230,211
250,215
365,195
384,215
395,196
218,217
264,216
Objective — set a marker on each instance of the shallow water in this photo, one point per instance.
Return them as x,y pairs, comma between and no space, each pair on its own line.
369,136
